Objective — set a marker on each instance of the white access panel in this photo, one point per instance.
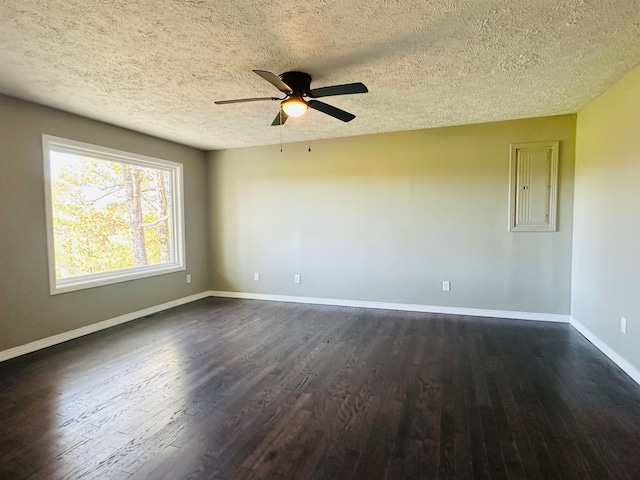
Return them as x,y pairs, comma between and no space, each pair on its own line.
533,187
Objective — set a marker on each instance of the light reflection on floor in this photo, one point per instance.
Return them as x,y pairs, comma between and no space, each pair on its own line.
98,418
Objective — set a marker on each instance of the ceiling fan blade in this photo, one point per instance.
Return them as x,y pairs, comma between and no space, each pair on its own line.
280,119
274,80
331,110
242,100
346,89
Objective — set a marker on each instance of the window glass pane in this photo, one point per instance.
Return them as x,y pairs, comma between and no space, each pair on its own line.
108,215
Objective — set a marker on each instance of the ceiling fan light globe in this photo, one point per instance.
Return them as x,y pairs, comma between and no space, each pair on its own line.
294,107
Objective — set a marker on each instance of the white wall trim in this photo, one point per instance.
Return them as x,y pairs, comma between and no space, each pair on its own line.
474,312
408,307
607,350
96,327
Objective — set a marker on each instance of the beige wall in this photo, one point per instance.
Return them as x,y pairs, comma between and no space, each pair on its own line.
388,217
606,249
383,218
27,311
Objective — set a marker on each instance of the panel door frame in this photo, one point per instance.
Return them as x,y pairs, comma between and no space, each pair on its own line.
550,222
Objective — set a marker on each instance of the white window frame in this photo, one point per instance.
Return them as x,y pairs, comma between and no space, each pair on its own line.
81,282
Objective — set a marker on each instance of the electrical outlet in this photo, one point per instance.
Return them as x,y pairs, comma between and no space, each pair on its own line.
188,278
446,286
296,278
256,276
623,325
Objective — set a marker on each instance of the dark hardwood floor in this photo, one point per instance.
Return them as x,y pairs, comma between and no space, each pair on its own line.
233,389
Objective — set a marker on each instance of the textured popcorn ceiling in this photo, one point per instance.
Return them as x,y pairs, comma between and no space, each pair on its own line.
156,66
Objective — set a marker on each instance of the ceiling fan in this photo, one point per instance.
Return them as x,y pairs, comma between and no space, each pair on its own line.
296,86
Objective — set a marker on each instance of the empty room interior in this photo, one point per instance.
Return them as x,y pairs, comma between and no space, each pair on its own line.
431,269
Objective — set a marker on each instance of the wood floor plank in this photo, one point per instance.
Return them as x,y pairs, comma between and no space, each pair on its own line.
238,389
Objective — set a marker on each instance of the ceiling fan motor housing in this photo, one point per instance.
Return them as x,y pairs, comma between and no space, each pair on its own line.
299,82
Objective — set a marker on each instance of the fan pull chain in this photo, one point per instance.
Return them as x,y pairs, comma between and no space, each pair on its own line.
309,128
281,127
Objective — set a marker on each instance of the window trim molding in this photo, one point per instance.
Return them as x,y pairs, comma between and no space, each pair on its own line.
50,142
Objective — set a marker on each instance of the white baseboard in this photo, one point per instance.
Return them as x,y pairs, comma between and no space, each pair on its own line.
96,327
407,307
475,312
607,350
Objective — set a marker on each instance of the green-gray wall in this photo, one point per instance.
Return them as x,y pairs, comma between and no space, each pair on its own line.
606,249
382,218
27,311
388,217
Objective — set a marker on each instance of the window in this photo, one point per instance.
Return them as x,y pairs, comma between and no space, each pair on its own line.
112,216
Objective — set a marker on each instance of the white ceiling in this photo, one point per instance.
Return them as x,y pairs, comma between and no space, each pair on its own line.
156,66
